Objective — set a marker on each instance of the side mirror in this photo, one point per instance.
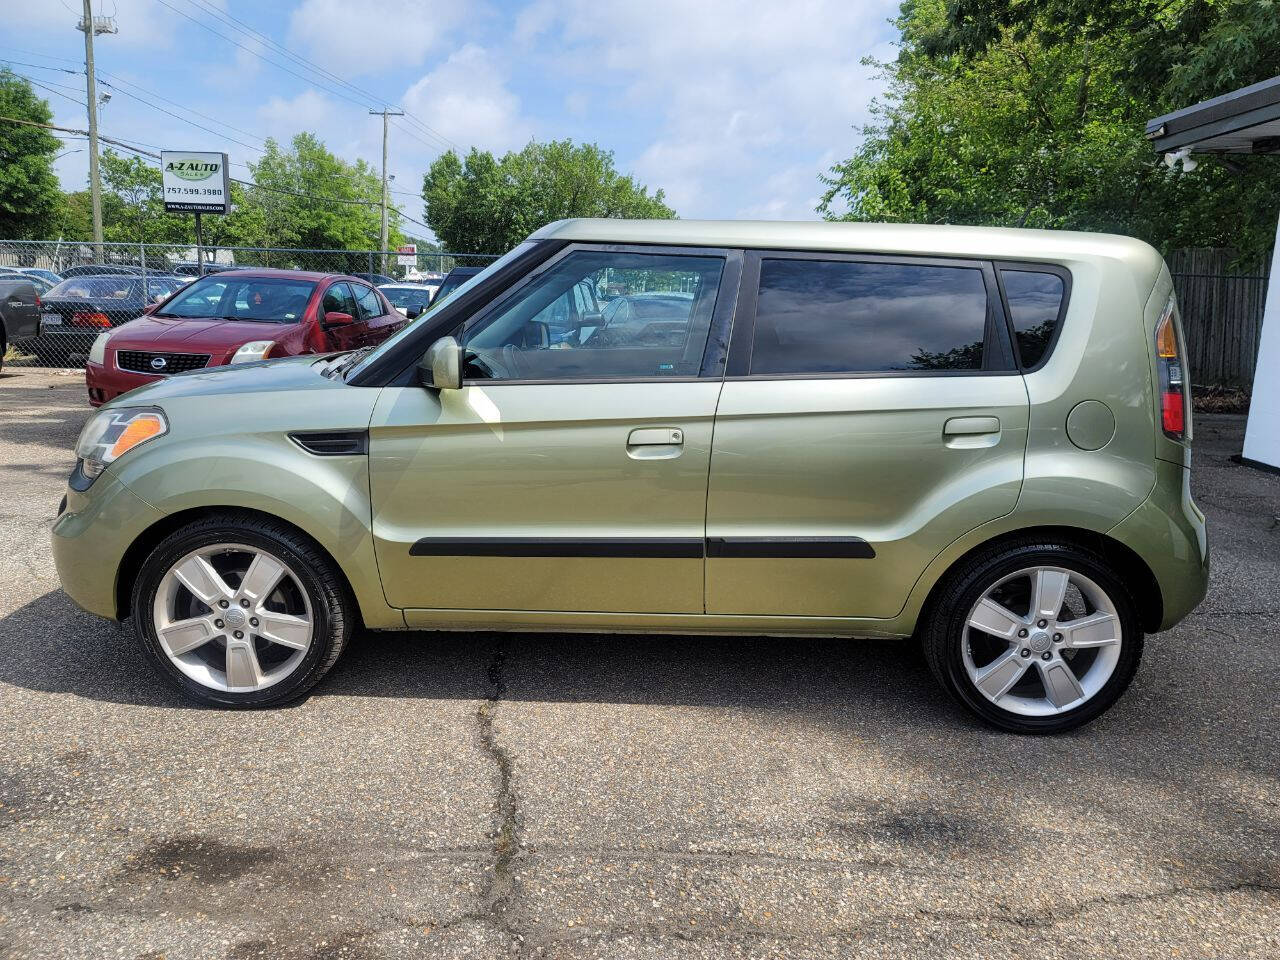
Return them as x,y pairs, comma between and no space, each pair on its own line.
441,366
413,312
335,318
150,308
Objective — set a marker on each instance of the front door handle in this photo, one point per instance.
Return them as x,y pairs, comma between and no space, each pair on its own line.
655,443
655,437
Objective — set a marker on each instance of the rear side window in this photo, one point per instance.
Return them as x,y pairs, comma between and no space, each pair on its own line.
825,316
1035,308
370,305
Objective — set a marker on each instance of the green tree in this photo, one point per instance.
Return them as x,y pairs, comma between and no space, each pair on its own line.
133,204
307,197
1007,113
30,197
486,205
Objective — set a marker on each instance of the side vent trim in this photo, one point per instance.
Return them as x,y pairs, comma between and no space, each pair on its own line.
333,443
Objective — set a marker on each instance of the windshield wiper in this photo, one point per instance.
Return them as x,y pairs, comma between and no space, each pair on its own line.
347,362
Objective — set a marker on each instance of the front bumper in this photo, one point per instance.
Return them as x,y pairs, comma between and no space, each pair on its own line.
106,382
90,537
1168,532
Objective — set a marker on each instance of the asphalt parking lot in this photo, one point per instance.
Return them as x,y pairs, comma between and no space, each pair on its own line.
483,795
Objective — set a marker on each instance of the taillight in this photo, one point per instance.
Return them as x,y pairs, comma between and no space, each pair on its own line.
1173,395
80,319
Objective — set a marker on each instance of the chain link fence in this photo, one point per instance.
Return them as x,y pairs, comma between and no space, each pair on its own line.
85,288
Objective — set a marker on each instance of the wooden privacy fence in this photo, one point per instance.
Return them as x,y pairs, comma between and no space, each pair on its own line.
1221,315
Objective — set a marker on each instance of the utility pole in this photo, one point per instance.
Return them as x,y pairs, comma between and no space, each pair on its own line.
386,113
91,28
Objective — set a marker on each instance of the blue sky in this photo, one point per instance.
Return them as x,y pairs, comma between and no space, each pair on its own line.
733,107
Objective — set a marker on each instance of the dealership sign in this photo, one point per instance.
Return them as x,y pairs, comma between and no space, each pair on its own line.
407,255
195,182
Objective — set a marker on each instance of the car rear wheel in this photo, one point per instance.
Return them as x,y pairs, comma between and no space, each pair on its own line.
1034,637
241,611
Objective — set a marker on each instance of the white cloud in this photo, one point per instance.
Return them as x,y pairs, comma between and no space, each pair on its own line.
753,101
467,100
352,38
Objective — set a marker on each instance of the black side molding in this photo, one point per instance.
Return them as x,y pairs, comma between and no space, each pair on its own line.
848,548
333,443
683,547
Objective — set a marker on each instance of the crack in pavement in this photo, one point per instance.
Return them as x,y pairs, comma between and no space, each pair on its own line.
498,891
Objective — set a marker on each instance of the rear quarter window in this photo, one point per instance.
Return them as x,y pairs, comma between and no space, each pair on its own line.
839,317
1035,299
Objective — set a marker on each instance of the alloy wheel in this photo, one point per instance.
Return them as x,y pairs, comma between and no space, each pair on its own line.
1042,641
233,618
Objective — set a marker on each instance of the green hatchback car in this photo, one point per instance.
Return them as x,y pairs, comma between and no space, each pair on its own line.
975,436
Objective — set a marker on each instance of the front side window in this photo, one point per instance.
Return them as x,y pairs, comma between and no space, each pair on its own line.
838,317
370,305
258,299
600,315
1035,305
339,299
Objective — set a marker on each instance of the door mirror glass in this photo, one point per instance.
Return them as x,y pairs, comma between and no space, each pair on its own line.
413,312
335,318
441,366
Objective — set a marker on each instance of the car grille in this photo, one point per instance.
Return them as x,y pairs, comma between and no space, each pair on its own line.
141,361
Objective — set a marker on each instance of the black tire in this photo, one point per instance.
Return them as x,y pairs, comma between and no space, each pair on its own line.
943,629
333,608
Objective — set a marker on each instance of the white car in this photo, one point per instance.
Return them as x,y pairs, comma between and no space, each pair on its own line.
411,299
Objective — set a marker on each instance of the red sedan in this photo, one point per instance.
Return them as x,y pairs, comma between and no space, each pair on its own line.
239,316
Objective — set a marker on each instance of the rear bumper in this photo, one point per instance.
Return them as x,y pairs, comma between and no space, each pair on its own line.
107,382
1168,532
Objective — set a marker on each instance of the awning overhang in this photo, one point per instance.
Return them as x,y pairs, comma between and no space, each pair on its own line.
1243,121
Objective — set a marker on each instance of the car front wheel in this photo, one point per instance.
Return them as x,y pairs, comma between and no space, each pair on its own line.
1034,637
241,611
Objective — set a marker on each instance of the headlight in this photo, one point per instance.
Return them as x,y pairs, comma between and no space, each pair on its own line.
253,350
112,433
98,352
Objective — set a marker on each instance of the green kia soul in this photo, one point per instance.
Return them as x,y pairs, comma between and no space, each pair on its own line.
976,436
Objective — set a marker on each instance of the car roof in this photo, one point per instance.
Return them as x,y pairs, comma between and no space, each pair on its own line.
406,286
1005,243
271,272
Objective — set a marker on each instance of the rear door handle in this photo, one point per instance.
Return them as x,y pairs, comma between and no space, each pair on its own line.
965,426
968,433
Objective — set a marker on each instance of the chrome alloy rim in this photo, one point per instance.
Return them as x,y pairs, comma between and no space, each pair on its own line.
1042,641
233,618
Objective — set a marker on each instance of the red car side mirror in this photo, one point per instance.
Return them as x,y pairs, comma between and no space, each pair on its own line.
335,318
149,308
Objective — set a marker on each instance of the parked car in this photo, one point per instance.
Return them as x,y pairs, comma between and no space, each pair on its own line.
75,311
411,299
42,285
235,317
100,270
377,279
976,436
44,274
453,280
186,268
19,312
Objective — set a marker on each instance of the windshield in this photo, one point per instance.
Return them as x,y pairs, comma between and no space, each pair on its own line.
227,296
96,288
472,283
405,297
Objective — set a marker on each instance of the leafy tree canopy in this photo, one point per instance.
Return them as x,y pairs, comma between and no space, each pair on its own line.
30,197
1012,113
488,205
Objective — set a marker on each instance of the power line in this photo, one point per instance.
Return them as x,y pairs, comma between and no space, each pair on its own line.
244,28
152,93
245,183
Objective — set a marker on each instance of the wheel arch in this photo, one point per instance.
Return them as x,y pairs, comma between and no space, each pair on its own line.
1128,565
150,538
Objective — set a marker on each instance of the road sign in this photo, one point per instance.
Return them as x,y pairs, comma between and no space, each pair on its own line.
195,182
